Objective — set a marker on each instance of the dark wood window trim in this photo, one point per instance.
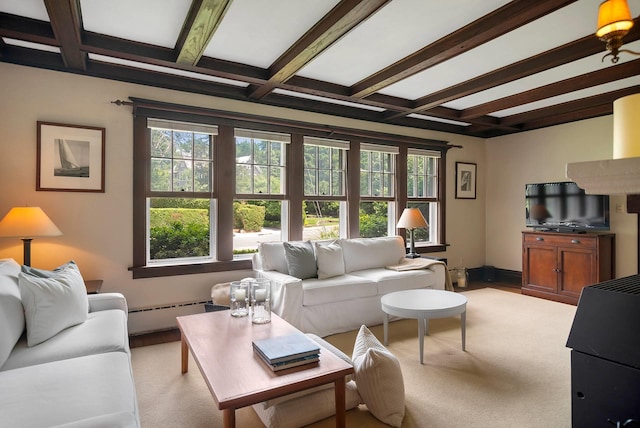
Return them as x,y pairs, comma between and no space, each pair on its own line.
224,185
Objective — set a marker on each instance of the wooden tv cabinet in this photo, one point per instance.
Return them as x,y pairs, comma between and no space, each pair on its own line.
556,266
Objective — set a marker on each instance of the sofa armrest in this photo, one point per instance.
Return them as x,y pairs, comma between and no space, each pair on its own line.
106,301
286,295
443,278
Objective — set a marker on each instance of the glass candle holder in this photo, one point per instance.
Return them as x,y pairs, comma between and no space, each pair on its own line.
239,298
260,301
463,277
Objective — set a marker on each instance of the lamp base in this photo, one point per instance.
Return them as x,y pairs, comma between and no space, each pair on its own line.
413,256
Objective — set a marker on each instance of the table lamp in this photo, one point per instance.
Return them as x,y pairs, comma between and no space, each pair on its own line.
411,219
27,223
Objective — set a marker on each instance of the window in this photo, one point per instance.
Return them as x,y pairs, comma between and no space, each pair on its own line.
260,162
422,192
377,190
325,172
258,214
179,202
208,188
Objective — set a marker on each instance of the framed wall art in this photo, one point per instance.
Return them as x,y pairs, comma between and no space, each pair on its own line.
70,158
466,180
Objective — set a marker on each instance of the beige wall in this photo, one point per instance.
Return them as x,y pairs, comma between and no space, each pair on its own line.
98,227
539,156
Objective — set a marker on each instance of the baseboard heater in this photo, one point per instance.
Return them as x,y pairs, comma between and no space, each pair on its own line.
161,317
170,306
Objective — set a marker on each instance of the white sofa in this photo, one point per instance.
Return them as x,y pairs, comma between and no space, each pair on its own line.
80,377
351,277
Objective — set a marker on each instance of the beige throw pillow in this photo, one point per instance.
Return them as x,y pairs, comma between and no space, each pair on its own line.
379,378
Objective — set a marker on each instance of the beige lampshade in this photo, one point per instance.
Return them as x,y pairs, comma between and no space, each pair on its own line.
411,218
27,222
613,16
626,132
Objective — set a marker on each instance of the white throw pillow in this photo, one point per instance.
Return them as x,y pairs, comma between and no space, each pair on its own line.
379,378
330,260
273,258
54,303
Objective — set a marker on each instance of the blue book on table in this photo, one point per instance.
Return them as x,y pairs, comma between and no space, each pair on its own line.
285,348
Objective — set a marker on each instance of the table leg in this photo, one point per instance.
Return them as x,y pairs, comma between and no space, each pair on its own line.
341,412
185,355
421,327
463,327
426,326
385,322
229,418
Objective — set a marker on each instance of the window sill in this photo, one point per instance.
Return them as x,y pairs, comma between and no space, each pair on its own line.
140,272
431,248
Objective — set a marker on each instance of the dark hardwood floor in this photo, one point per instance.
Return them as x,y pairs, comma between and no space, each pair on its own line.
173,335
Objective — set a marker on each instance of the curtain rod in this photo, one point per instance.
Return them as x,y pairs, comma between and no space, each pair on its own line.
328,129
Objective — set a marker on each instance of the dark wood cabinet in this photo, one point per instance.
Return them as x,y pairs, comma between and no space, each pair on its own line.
557,266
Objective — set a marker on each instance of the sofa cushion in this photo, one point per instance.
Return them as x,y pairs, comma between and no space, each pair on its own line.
103,331
272,254
379,378
66,391
11,311
338,288
301,261
53,303
305,410
329,259
389,281
367,253
112,420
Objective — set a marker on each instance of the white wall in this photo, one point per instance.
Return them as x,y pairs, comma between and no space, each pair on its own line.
98,227
541,156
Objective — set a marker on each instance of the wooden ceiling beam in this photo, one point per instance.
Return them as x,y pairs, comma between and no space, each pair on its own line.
501,21
156,55
608,98
31,30
609,74
66,21
203,19
572,116
572,51
339,21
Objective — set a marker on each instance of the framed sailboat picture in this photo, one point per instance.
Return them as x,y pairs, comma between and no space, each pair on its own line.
70,158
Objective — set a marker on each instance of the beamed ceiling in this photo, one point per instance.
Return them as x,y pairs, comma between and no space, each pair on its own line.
475,67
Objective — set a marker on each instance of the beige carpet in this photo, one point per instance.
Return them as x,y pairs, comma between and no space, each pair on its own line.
516,371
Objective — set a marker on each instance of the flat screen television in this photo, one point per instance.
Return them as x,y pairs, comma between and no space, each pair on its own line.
565,207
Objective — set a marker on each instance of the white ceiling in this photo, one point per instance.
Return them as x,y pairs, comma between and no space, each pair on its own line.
256,34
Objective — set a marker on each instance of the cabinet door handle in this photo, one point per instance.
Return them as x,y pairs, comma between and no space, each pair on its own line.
539,238
575,241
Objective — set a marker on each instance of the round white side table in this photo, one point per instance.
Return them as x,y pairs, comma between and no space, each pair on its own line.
423,304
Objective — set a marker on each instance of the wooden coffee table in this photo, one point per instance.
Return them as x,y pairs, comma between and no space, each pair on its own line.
236,377
423,304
